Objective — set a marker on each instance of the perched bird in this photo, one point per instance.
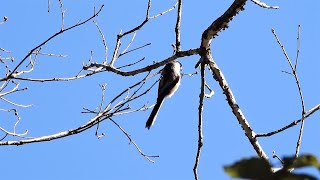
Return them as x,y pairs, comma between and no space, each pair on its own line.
169,83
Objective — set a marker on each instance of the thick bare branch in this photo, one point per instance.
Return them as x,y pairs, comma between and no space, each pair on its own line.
218,76
221,23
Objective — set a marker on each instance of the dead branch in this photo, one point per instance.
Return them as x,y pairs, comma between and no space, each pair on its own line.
13,72
200,117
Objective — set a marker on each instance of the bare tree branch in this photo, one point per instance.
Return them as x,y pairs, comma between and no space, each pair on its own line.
200,117
217,75
99,117
180,54
295,75
104,42
293,123
148,157
264,5
12,74
120,35
221,23
62,15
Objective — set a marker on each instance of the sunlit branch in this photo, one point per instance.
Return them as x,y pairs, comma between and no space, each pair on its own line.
295,75
264,5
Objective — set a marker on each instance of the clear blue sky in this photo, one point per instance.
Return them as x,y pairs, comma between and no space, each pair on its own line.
246,52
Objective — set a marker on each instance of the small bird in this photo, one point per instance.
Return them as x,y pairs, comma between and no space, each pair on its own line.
169,83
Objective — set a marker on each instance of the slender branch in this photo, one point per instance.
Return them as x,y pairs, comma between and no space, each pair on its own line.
147,18
140,47
293,123
62,15
99,117
4,50
189,52
48,5
178,25
15,104
10,75
116,49
200,111
298,48
120,35
103,89
131,64
148,157
295,75
50,54
103,41
282,48
132,39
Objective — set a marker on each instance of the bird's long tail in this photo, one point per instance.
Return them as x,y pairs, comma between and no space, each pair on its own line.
154,113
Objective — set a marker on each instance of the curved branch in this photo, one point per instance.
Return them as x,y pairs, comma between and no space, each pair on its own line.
177,55
221,23
12,74
100,116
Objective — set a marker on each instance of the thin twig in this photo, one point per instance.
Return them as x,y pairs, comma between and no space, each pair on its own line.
132,39
11,74
103,89
48,5
15,104
211,92
127,65
264,5
106,114
274,155
298,48
4,50
140,47
200,111
147,19
148,157
62,15
51,54
295,75
103,41
293,123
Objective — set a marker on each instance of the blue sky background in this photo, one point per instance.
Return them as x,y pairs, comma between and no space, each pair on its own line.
246,52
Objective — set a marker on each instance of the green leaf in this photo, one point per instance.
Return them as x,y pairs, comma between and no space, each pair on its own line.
286,175
253,168
302,161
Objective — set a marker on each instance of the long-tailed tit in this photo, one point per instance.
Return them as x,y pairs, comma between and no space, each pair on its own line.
169,83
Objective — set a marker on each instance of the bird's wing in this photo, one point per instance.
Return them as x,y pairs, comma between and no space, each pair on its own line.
166,85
